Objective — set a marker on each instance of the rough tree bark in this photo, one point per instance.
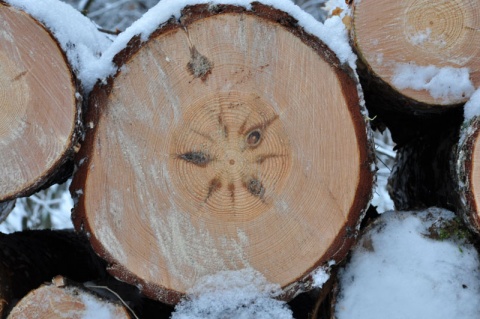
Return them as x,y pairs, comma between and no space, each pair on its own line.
229,139
440,169
65,299
40,118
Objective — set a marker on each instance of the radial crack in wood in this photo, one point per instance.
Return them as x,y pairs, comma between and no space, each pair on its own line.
198,158
265,163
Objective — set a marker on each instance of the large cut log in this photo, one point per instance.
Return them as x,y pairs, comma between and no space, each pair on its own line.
63,299
30,258
414,71
417,55
230,139
39,121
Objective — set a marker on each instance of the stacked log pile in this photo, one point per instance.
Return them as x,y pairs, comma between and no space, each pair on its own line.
230,137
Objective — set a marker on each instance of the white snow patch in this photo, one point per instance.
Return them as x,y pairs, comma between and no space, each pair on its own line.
322,274
78,36
333,32
95,308
449,84
91,52
240,294
472,107
398,272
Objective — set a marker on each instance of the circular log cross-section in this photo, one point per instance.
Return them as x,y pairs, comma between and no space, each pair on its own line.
225,142
403,43
38,105
69,301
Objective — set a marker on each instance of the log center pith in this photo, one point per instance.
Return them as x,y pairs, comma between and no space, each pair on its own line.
231,153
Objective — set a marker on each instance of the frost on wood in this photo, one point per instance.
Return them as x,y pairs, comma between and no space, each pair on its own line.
233,294
412,265
198,163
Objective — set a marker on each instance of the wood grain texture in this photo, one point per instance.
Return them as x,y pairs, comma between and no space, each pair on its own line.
60,300
39,122
418,33
227,141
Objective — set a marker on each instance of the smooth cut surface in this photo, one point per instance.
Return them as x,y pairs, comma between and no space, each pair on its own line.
51,302
394,36
37,98
225,145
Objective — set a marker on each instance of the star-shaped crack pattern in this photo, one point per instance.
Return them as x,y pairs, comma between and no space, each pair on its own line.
240,147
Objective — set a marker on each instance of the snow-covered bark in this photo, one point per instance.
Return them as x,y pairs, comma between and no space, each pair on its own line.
411,265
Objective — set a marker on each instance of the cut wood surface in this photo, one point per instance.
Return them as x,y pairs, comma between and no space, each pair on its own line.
398,40
40,111
63,300
229,140
30,258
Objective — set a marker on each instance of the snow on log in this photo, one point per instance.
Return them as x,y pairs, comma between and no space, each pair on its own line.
29,258
411,265
63,299
230,138
416,55
39,122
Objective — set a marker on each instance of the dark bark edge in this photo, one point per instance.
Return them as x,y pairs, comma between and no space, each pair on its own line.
190,14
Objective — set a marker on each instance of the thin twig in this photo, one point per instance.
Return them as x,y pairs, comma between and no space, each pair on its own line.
86,7
378,157
116,32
